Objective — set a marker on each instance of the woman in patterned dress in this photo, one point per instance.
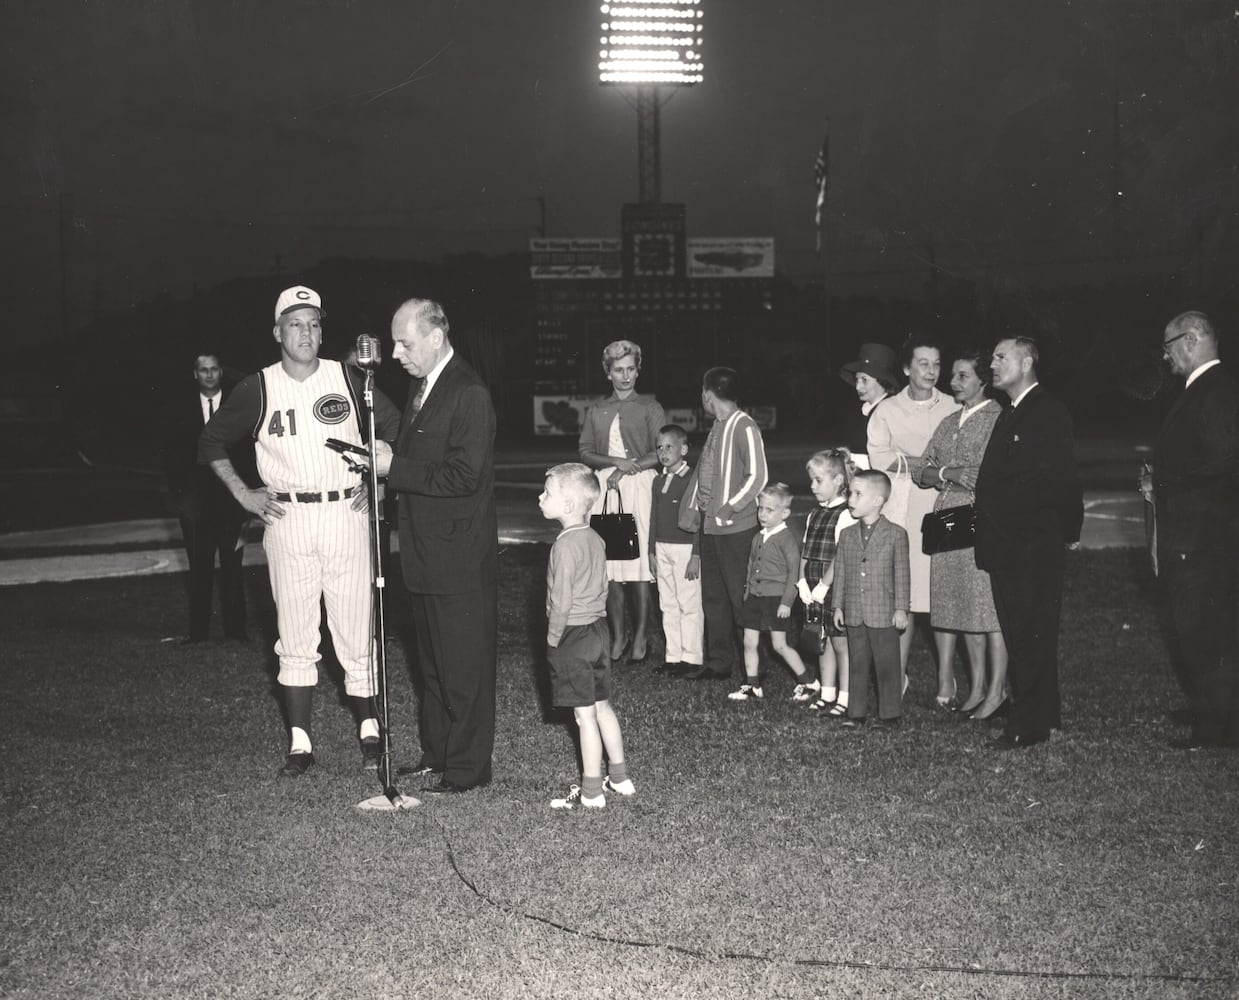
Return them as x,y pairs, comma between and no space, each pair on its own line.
961,601
618,439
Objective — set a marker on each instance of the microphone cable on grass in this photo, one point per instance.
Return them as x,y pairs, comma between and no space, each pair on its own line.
966,970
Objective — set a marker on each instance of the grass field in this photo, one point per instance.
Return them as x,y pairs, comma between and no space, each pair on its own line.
150,850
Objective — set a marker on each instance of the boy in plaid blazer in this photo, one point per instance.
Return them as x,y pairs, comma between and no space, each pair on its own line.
871,596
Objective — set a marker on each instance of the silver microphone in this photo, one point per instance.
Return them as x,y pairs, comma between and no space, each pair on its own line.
369,353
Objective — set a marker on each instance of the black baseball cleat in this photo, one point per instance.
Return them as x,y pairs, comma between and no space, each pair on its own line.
371,751
296,764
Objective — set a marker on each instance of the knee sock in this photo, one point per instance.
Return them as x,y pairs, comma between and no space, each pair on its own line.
618,772
365,713
299,704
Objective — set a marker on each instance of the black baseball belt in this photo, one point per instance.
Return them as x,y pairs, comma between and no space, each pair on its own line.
329,496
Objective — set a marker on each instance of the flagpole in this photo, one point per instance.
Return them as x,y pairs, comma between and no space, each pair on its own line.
821,170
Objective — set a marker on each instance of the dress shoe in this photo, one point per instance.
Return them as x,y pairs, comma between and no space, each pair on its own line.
887,725
706,674
1000,712
668,668
445,787
418,770
1022,741
296,764
193,640
1195,742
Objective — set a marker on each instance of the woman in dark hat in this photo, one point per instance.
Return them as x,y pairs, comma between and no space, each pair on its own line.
873,375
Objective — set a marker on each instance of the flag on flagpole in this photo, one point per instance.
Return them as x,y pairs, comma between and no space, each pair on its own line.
821,177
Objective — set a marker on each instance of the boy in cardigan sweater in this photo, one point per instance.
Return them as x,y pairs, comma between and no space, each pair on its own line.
770,591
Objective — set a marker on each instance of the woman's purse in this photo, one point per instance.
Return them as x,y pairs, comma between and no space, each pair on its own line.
896,507
949,530
618,530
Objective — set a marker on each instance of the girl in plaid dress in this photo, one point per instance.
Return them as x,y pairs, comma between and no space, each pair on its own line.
830,475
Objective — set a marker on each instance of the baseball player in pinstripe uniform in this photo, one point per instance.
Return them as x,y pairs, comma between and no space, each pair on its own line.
314,504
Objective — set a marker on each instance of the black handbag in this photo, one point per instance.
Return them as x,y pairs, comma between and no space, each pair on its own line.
618,530
949,530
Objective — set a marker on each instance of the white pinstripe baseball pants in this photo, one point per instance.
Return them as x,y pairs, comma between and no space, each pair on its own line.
322,550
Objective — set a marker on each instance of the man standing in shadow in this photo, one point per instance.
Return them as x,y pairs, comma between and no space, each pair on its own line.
210,518
1194,485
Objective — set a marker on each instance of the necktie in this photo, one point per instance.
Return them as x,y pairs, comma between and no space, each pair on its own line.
210,407
417,400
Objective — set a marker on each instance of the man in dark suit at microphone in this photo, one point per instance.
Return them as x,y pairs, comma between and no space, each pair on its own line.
210,518
443,475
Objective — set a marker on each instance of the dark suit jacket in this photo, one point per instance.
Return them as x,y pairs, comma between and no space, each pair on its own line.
183,426
1028,492
443,473
1196,468
872,599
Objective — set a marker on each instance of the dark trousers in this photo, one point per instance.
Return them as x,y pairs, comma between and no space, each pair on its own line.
876,651
724,566
456,648
210,526
1028,600
1201,594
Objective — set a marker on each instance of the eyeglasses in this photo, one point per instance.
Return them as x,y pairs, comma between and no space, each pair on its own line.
1166,343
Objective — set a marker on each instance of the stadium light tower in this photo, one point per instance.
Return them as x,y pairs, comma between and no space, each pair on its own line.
653,44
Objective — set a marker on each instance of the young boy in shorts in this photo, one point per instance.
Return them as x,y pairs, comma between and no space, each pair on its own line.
770,592
871,597
675,558
577,639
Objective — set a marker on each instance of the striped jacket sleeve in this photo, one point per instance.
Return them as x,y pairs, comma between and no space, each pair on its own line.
746,455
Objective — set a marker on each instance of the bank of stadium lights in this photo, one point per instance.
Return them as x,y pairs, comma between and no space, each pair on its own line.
651,42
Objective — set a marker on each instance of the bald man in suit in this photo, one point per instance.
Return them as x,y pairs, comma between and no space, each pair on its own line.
1194,485
443,475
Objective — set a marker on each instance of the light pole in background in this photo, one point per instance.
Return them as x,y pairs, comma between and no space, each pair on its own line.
655,45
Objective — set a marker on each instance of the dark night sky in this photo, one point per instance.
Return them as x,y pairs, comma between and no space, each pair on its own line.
197,139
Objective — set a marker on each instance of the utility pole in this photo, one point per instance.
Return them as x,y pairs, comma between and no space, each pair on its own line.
66,222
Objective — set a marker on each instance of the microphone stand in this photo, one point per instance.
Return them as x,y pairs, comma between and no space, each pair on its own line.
391,797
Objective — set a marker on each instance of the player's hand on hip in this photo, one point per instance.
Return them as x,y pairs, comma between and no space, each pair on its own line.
263,503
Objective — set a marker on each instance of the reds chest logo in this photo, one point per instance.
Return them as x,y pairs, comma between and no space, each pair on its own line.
332,409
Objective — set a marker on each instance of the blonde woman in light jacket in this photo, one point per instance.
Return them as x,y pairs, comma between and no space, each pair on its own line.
618,439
